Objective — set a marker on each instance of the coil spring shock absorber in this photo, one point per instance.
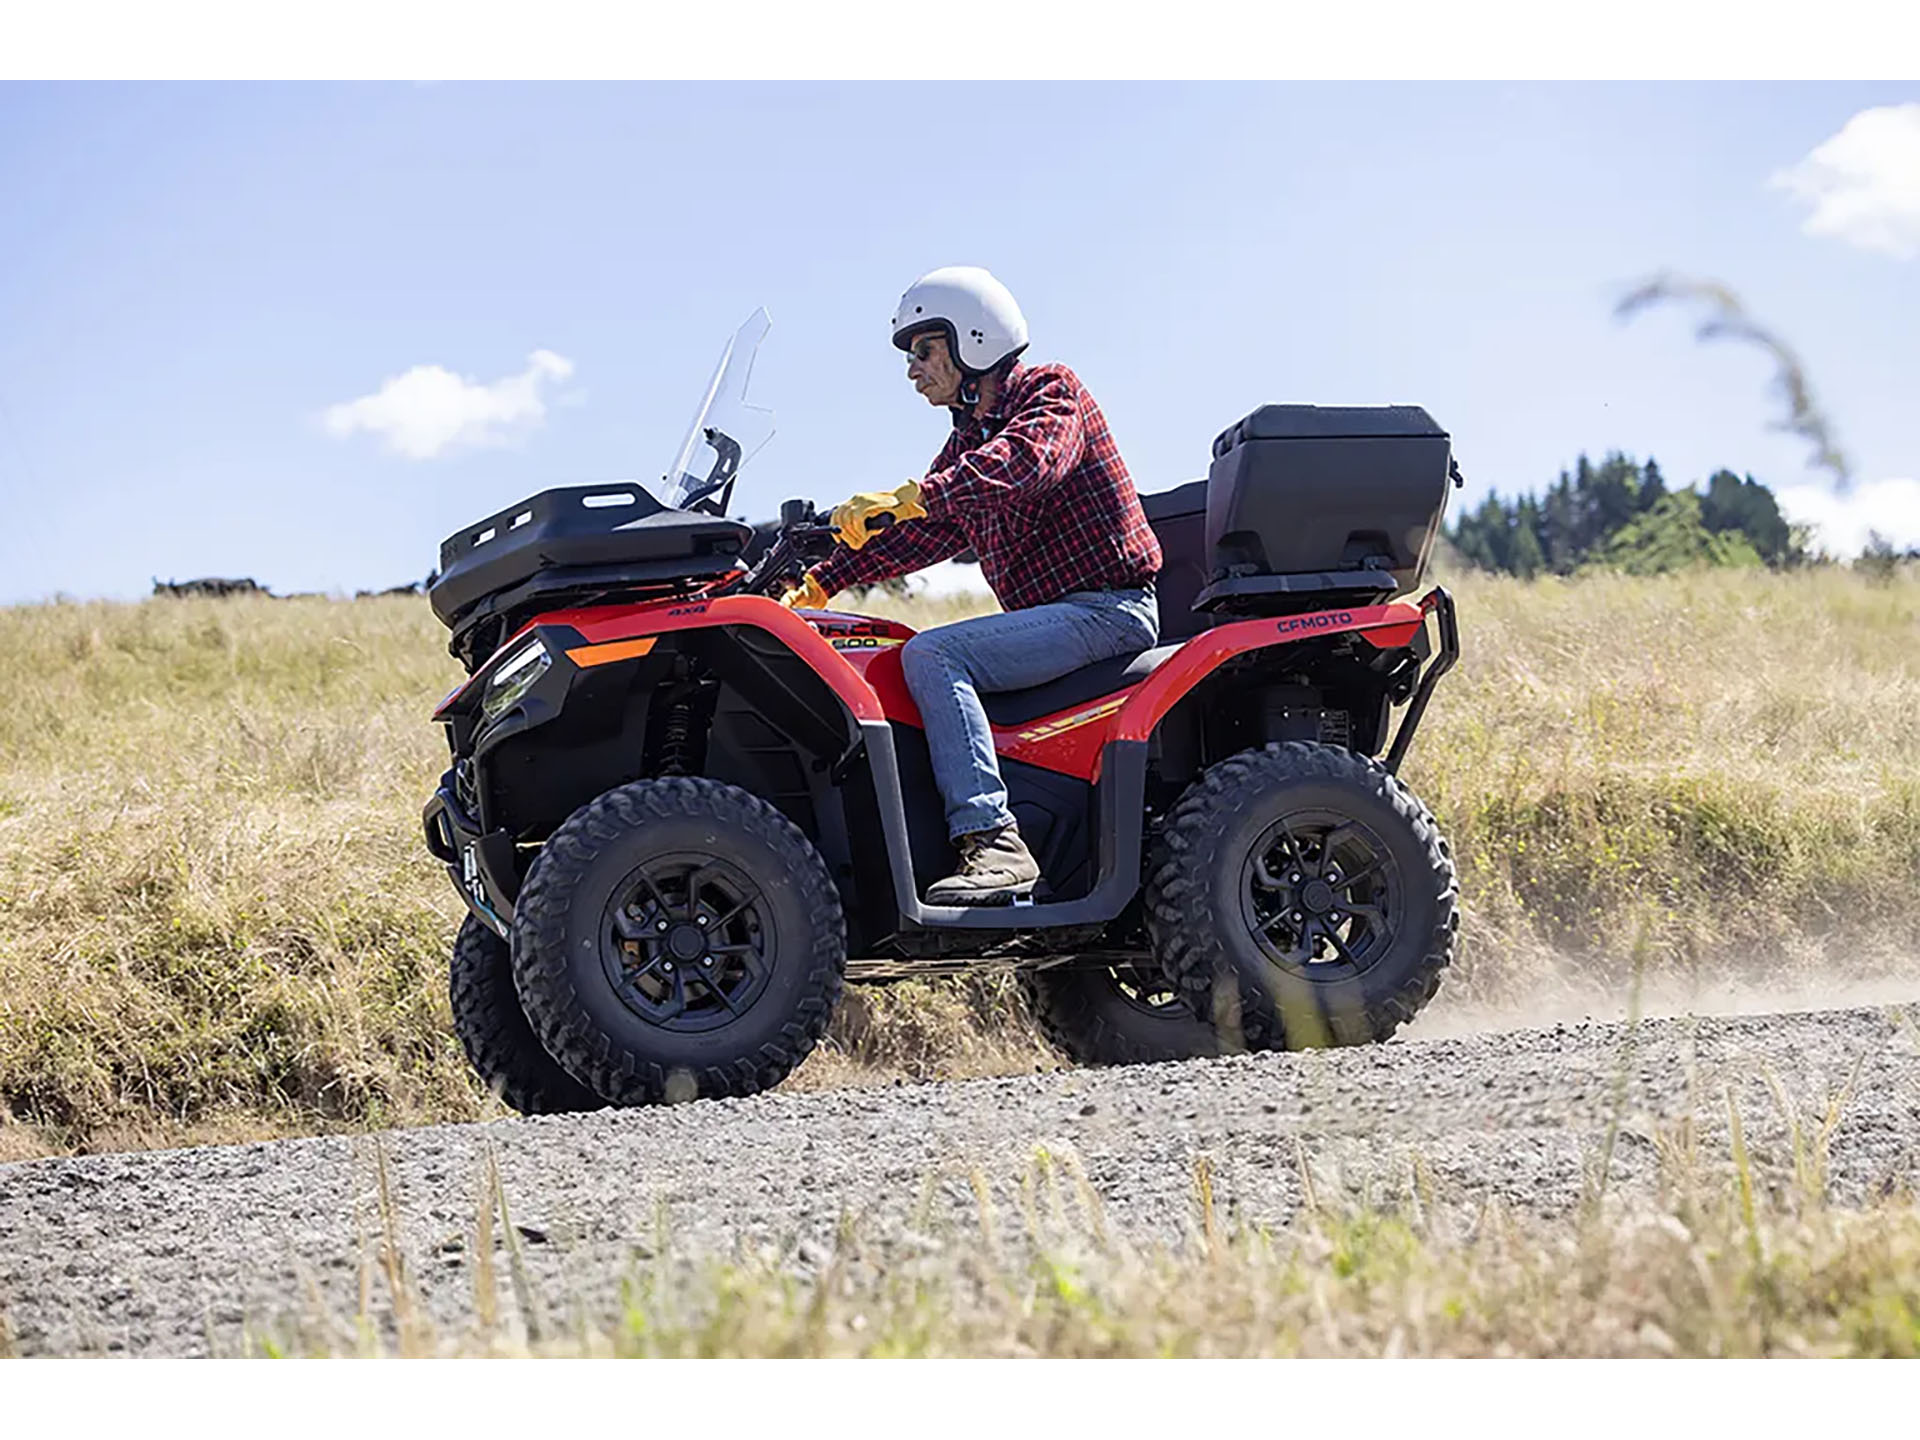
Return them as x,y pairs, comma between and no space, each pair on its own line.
676,738
676,742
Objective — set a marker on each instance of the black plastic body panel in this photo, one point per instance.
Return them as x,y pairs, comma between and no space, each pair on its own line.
1117,809
560,530
1302,490
1054,812
1179,521
1282,594
1328,422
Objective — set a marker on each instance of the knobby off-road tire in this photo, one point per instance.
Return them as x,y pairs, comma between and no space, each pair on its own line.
1259,964
1097,1017
493,1029
607,924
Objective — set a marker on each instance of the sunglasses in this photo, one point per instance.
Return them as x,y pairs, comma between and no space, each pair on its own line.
923,348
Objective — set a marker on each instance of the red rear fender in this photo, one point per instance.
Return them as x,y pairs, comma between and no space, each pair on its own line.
1071,741
1390,627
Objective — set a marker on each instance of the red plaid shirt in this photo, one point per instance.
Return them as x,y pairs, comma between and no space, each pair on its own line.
1036,489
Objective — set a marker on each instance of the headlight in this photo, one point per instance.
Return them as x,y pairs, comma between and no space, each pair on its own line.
514,679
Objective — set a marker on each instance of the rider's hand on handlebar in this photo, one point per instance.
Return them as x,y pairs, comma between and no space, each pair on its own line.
807,595
852,520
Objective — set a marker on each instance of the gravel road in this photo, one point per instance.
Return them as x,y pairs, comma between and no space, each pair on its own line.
186,1251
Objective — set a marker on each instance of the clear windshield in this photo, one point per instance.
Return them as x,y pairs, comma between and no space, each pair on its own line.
708,459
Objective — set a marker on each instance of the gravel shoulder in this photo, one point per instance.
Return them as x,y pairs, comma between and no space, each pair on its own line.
186,1252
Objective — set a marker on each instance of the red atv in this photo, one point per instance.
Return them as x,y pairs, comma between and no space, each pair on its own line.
683,816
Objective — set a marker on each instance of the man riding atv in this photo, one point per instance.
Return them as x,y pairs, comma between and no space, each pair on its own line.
683,816
1031,481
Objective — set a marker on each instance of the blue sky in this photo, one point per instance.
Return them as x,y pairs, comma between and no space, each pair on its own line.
191,277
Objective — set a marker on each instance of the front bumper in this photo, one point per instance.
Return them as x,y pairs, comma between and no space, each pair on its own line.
481,866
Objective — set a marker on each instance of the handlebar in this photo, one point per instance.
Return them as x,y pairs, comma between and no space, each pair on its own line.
804,540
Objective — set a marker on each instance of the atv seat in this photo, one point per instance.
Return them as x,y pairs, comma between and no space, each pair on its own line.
1076,687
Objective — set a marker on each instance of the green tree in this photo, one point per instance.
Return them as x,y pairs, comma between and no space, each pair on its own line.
1747,507
1526,559
1491,528
1613,496
1584,534
1560,527
1653,484
1623,514
1673,536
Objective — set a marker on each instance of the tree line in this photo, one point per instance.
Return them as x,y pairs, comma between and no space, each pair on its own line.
1622,515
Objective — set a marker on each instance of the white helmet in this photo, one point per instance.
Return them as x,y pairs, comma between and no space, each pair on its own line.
973,310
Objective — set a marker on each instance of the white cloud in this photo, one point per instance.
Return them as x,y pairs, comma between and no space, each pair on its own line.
1864,183
1842,522
429,410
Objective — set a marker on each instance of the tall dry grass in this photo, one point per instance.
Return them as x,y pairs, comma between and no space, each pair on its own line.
217,919
1733,1251
1726,763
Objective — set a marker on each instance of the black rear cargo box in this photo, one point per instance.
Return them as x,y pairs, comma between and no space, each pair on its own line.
1322,500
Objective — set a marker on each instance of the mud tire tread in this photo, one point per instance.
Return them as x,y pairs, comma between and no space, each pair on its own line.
546,990
1068,1014
1187,935
493,1029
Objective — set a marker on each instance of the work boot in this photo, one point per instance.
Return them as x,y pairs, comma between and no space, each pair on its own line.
995,866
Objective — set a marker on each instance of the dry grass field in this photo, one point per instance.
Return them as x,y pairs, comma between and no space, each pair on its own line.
217,920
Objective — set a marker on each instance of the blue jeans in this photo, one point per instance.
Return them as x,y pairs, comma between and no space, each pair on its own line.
948,668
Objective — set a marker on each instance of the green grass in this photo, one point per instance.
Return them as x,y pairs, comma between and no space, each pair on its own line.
217,920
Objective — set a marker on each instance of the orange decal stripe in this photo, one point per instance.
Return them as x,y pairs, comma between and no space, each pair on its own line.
609,624
587,656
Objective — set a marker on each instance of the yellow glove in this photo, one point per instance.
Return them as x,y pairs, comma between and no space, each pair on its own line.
807,595
852,519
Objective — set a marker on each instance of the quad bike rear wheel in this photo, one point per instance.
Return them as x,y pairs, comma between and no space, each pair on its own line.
493,1029
678,938
1129,1015
1300,895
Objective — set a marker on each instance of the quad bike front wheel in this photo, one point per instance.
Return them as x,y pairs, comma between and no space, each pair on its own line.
493,1030
678,938
1115,1015
1300,895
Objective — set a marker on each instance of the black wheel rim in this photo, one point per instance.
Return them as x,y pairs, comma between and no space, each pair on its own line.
687,942
1145,989
1321,895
